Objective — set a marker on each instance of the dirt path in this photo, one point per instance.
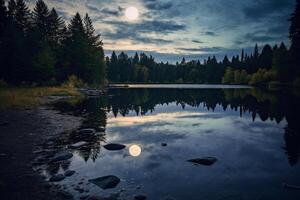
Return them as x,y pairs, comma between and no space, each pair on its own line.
20,132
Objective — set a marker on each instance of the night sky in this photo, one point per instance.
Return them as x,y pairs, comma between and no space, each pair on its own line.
171,29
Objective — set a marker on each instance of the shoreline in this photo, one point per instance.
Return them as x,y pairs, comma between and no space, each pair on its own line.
21,131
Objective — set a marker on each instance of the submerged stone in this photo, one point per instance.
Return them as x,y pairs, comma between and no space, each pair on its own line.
106,182
204,161
57,178
62,156
114,147
69,173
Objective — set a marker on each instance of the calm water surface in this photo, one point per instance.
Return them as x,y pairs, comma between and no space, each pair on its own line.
253,134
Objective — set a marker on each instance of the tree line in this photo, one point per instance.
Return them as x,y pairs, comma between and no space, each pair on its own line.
235,70
271,64
37,47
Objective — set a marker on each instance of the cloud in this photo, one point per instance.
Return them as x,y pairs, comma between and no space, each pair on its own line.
157,5
203,49
197,41
138,32
209,33
166,25
260,9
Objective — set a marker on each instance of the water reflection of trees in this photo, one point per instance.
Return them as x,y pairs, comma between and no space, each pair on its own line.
275,105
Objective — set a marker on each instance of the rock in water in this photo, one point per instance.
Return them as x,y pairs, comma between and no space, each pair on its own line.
106,182
204,161
78,144
57,178
114,147
62,156
69,173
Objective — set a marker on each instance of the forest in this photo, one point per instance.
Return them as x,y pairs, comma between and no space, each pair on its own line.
37,47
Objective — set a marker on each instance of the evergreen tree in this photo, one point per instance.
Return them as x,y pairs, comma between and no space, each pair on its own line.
242,55
57,29
265,59
22,16
17,60
3,17
95,53
182,61
113,68
226,62
41,20
3,26
136,58
280,64
295,40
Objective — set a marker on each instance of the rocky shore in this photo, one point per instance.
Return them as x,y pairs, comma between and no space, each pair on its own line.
21,131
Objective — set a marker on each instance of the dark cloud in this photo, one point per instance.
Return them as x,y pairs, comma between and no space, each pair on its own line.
203,49
209,33
237,24
157,5
136,32
104,11
148,26
197,41
260,9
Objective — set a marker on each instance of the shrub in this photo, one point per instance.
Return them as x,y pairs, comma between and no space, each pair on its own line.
74,82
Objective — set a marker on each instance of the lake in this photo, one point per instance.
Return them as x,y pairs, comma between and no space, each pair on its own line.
253,134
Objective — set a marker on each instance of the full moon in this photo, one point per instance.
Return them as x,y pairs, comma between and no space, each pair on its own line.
132,13
135,150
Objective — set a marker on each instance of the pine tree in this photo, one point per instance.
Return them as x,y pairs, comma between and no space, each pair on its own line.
242,56
12,8
95,53
3,26
57,30
136,58
280,63
226,62
113,68
41,20
265,58
295,40
3,16
22,16
183,61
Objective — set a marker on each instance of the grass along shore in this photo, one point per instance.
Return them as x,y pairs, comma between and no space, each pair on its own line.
28,97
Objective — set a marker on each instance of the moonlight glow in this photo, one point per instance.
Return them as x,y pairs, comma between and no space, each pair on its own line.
135,150
132,13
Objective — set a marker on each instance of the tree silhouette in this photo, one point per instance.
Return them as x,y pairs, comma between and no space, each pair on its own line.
295,40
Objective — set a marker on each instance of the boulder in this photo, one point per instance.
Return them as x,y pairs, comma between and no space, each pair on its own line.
69,172
57,178
106,182
114,147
